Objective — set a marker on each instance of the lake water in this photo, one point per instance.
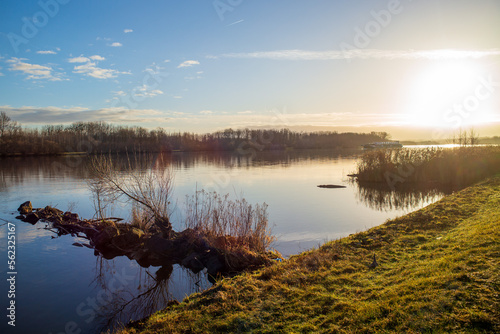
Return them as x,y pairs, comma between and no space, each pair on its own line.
61,288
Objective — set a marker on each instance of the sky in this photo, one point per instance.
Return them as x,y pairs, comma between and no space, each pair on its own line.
418,69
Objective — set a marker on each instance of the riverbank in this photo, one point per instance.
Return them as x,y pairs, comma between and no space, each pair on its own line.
435,270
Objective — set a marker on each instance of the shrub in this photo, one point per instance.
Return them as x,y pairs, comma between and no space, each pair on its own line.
228,224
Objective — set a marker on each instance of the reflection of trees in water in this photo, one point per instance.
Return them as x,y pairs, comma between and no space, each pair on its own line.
3,181
18,170
231,159
123,297
381,197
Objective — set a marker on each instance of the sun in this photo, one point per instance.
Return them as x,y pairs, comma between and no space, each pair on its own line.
448,94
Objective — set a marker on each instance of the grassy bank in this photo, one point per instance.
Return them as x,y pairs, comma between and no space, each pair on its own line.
437,272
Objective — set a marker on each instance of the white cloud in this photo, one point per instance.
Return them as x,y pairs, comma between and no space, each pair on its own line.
144,91
33,71
97,57
80,59
363,54
127,31
116,44
90,68
206,112
167,61
46,52
177,97
188,63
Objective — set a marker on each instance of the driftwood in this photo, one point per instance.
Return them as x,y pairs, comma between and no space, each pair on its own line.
110,238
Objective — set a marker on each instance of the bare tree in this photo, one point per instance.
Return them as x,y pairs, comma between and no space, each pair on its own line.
149,191
7,125
473,137
466,138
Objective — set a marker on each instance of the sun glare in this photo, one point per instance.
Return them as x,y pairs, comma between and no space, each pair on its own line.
449,94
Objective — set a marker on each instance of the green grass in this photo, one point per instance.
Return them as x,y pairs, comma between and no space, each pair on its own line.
438,272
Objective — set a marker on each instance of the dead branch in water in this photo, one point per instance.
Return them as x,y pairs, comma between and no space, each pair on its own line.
148,191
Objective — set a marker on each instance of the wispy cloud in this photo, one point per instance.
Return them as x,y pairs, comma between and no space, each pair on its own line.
364,54
127,31
232,24
89,67
276,119
204,119
116,44
46,52
33,71
56,115
188,63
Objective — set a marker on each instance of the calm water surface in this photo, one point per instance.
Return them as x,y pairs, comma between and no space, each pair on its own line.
61,288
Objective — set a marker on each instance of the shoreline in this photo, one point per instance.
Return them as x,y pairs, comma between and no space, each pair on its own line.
432,270
356,149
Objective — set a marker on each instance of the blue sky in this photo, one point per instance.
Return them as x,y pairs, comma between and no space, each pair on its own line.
407,67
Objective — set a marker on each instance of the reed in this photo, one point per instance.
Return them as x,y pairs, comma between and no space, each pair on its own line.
227,224
458,167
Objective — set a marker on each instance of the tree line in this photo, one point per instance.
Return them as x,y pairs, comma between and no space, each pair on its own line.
102,137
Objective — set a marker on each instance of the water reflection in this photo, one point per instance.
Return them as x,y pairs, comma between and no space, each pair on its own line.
382,198
18,170
122,297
